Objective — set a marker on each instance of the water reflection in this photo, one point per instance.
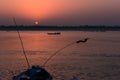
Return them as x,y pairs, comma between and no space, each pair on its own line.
97,59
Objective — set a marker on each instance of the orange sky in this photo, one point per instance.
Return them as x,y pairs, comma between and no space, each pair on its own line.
80,11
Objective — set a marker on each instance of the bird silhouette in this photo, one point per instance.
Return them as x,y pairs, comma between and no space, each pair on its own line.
83,41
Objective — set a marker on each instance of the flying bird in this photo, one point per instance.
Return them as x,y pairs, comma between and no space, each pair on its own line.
83,41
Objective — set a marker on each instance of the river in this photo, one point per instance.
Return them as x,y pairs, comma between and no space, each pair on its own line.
97,59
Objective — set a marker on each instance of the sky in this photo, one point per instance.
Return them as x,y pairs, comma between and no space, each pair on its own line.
60,12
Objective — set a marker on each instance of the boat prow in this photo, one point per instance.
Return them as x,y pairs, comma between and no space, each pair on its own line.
35,73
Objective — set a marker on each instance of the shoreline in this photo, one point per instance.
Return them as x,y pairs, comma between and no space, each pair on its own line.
60,28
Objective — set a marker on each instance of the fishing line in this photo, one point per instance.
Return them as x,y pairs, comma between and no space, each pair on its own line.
54,54
23,49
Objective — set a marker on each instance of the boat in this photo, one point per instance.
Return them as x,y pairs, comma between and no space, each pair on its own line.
54,33
35,73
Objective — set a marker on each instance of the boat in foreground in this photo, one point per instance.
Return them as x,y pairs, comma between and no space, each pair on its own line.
35,73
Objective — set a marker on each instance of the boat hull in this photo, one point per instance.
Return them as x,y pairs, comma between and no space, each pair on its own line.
35,73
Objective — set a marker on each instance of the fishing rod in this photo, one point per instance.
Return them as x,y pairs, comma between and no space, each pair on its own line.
76,42
21,41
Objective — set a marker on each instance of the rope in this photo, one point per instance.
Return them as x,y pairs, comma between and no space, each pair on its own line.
79,41
56,53
23,49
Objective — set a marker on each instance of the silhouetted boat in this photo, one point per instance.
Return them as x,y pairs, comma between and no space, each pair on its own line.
54,33
34,73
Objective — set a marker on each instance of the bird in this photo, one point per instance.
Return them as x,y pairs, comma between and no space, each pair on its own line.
83,41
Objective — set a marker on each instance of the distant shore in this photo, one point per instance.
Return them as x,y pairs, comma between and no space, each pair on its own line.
60,28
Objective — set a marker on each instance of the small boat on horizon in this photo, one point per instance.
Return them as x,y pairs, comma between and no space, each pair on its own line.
54,33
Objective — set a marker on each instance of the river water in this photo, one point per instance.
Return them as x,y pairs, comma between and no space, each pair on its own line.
98,59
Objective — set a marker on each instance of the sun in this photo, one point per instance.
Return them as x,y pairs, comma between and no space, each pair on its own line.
36,22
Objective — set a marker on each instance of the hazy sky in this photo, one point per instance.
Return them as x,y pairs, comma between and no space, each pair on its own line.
60,12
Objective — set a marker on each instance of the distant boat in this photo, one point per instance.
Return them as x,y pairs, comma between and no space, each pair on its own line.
54,33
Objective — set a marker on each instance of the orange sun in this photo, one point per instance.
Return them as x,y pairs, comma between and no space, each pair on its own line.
36,22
